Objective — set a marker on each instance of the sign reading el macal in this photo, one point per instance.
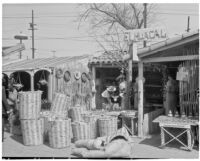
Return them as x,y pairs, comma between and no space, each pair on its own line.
146,34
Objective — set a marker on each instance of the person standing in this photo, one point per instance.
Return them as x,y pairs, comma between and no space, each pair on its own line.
6,109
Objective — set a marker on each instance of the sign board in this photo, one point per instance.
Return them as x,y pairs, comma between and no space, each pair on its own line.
146,34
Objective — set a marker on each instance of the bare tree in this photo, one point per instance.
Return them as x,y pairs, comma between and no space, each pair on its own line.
110,21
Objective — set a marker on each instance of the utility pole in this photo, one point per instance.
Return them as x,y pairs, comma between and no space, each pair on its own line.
33,29
188,24
53,51
145,19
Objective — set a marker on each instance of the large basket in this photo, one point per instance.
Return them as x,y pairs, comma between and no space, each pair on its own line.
29,105
75,113
60,103
92,122
60,133
107,125
32,131
80,131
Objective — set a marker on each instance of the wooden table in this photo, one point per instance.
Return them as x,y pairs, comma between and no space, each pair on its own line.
182,124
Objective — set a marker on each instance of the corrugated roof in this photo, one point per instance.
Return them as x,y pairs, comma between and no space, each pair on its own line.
171,41
111,57
41,63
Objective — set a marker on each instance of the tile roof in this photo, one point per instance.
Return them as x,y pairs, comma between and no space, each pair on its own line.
108,57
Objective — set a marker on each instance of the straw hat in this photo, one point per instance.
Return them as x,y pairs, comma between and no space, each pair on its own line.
111,89
67,76
77,75
59,73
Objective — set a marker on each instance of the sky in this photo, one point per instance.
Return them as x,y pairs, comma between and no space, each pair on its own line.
60,21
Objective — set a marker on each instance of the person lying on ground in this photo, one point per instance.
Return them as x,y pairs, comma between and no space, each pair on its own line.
115,146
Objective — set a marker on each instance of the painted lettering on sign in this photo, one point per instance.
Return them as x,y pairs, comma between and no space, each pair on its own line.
145,34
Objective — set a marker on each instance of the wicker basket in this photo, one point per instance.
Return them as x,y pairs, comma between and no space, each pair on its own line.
60,103
75,113
29,105
32,131
91,120
80,130
107,125
60,133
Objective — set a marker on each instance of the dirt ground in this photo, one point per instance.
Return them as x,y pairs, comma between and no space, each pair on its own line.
143,148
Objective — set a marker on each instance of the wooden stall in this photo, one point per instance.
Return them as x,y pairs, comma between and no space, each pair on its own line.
180,55
69,75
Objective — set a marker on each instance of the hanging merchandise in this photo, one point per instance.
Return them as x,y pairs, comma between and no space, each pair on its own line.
67,76
59,73
84,77
42,80
18,83
77,75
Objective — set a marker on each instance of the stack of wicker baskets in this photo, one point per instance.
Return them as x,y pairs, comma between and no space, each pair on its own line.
32,125
59,131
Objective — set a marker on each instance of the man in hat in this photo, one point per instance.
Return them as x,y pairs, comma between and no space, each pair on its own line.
107,94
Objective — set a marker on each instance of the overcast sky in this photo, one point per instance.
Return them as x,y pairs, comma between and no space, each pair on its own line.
59,21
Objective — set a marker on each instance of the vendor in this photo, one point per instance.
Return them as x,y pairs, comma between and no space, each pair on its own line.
107,94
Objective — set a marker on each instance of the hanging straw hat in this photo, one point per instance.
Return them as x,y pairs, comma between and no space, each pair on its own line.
67,76
77,75
111,89
84,77
59,73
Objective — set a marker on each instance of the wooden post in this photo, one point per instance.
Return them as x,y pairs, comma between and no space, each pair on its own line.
94,78
32,80
50,87
129,82
140,99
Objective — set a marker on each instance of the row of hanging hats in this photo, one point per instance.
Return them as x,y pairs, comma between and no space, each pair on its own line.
67,75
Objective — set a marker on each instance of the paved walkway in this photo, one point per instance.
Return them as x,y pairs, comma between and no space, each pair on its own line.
143,148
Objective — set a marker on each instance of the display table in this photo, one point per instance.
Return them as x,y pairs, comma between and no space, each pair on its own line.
183,125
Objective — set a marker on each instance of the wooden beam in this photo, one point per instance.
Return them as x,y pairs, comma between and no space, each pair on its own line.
140,99
171,58
94,78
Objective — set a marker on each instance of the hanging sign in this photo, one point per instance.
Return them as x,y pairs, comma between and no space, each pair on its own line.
146,34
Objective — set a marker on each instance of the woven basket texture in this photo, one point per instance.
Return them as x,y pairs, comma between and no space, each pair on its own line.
107,125
60,103
80,131
91,120
60,133
29,105
75,113
32,131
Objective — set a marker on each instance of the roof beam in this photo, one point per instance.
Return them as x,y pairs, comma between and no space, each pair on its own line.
171,58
